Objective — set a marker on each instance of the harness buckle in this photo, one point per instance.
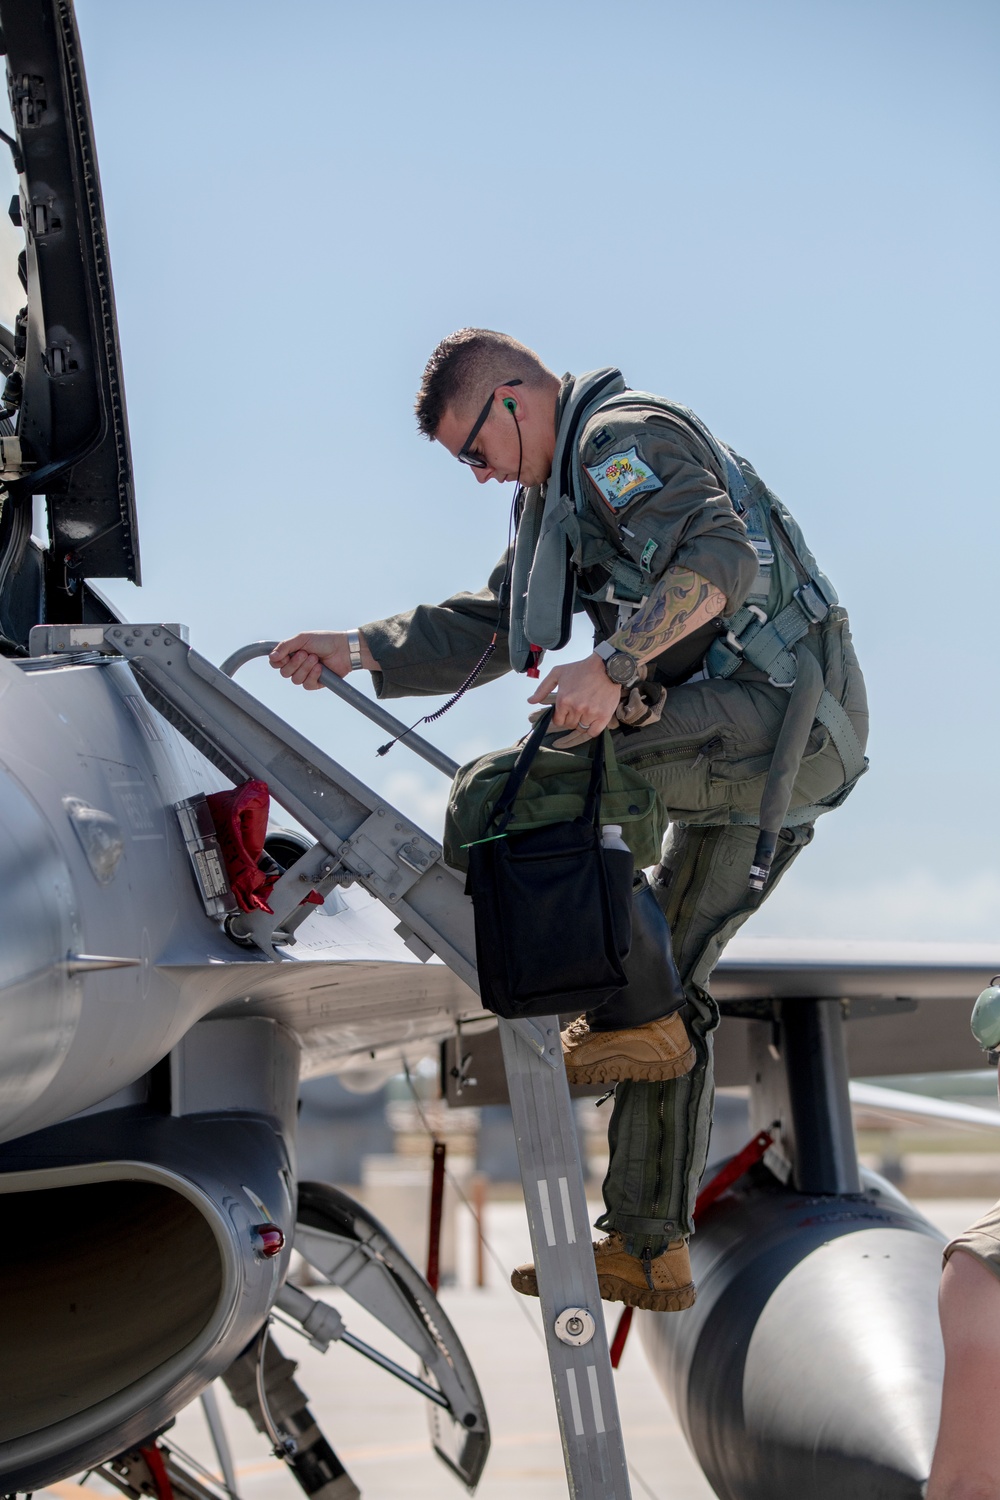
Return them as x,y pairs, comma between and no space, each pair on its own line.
626,607
812,601
733,640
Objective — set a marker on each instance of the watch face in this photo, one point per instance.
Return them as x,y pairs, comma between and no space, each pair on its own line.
620,667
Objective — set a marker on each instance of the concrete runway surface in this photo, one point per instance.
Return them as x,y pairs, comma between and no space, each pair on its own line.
379,1427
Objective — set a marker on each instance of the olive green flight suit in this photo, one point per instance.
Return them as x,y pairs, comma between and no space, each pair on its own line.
708,757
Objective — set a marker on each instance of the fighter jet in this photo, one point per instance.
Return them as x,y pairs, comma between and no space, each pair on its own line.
157,1012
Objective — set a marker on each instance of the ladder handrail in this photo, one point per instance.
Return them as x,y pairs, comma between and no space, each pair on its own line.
373,711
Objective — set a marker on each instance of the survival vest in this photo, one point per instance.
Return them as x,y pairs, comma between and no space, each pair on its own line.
790,594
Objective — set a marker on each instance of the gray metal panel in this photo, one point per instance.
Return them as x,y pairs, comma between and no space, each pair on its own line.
799,1089
248,1062
932,1038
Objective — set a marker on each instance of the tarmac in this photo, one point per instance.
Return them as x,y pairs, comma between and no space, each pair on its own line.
379,1428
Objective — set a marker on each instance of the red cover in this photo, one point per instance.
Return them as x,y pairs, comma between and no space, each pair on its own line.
240,819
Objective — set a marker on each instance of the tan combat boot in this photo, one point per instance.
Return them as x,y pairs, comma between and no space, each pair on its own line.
649,1054
662,1284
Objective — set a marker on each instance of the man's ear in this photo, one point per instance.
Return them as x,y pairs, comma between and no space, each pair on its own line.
508,397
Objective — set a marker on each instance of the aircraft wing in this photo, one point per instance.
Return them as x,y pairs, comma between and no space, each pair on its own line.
755,969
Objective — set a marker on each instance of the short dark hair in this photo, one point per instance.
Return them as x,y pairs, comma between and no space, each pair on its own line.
466,366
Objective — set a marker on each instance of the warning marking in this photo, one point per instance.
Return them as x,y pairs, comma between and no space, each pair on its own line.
543,1198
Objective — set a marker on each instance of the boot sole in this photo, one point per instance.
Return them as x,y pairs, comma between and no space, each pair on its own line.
626,1069
614,1289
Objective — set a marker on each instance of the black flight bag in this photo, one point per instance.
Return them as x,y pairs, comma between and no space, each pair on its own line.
553,907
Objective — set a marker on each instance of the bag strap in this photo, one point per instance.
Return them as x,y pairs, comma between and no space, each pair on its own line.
519,770
592,806
504,808
613,778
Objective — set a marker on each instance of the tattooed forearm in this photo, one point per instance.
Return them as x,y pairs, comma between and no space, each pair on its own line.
680,602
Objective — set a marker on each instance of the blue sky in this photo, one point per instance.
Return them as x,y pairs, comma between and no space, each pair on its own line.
782,214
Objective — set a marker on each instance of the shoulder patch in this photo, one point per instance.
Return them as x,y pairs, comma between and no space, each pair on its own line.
621,477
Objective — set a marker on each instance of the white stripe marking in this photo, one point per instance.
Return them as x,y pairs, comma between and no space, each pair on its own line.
543,1197
574,1401
567,1211
595,1397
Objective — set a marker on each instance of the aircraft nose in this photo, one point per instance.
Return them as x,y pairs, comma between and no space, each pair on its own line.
39,1002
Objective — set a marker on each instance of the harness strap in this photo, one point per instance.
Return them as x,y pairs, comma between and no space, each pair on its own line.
794,817
834,717
626,577
765,644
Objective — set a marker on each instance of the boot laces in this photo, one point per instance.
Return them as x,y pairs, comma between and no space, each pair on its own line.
612,1241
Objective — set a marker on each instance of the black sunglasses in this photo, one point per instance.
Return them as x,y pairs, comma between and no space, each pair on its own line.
475,460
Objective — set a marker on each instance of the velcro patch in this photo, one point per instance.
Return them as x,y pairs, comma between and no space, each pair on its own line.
622,477
601,438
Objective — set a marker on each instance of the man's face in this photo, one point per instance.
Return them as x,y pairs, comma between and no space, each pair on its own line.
497,439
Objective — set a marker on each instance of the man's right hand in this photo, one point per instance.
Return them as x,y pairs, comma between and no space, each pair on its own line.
303,656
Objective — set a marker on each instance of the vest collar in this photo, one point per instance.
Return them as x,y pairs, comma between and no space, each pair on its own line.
543,585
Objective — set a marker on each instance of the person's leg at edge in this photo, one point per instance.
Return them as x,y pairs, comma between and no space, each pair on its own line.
967,1457
659,1132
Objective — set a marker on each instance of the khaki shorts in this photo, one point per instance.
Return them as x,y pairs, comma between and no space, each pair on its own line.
981,1239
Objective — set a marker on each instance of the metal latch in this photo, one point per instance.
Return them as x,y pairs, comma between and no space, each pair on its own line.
381,847
202,844
812,601
626,607
734,641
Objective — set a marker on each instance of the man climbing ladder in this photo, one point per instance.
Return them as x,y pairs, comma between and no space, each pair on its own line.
723,664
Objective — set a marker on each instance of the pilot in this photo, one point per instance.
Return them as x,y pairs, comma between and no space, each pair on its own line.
699,585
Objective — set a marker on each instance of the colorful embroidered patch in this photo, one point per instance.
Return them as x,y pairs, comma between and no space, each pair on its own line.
647,554
622,477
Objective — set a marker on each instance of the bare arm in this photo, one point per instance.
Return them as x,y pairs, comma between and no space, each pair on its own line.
681,601
586,699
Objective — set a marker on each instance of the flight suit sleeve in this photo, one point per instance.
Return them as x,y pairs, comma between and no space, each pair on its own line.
433,648
655,486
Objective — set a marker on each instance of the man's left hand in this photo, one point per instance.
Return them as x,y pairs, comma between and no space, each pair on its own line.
585,700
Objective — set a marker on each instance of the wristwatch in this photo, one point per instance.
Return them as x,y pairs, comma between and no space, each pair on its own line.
620,667
354,647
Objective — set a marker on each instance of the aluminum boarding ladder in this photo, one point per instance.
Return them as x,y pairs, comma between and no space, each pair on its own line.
359,834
